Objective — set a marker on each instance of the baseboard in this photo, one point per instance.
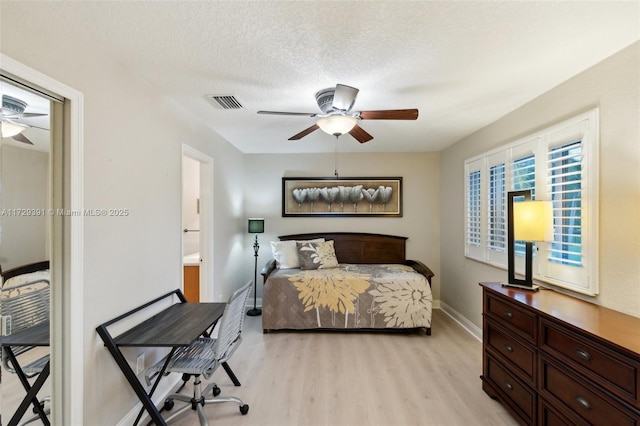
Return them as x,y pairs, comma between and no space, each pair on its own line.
470,327
258,303
166,386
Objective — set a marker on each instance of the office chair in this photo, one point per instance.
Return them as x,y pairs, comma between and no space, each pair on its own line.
204,356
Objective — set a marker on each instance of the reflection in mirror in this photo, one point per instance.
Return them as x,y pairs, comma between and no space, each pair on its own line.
25,244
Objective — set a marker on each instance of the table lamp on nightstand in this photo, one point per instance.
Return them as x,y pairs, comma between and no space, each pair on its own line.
256,226
528,221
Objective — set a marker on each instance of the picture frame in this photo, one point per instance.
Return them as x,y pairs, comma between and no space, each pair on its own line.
341,197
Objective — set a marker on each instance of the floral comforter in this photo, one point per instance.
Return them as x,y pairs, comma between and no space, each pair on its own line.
349,296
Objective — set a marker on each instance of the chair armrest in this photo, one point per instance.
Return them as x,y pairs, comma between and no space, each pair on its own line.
420,268
267,269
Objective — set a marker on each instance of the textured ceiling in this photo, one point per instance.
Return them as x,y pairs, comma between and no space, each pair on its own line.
462,64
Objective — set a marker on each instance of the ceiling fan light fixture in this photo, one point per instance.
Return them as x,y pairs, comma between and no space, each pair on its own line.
10,129
337,124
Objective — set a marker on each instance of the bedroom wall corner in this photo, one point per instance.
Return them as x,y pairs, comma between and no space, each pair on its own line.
614,86
135,165
421,216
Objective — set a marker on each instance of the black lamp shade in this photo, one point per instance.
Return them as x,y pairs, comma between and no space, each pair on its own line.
256,225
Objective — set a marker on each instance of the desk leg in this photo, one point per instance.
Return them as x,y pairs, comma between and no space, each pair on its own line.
32,391
156,383
137,387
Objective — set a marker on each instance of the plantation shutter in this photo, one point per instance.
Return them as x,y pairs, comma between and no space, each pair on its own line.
523,176
559,164
496,216
565,187
473,219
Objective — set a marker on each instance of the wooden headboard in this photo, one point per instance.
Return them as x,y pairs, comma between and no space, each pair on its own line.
24,269
354,247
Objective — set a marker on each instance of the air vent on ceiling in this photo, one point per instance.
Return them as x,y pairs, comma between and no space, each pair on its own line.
224,101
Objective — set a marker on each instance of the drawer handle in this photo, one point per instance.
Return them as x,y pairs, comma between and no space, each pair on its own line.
508,314
584,354
508,347
508,385
583,403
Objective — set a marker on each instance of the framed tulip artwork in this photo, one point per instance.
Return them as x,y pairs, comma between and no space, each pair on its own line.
342,197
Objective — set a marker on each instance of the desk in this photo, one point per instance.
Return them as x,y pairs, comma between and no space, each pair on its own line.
38,335
178,325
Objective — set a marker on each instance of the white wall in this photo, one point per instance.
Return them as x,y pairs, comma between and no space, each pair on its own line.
614,86
190,214
133,136
420,221
24,184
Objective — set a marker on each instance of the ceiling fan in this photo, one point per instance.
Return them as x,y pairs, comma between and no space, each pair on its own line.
337,118
12,110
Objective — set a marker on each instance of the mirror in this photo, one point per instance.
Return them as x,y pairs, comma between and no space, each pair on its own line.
25,234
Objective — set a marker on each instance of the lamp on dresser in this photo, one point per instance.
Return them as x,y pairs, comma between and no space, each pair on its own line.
528,220
255,226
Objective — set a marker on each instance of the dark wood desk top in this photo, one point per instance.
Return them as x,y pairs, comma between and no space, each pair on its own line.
178,325
38,335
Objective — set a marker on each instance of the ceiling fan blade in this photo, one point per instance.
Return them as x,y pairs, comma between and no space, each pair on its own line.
304,133
344,97
302,114
32,114
21,138
390,114
360,134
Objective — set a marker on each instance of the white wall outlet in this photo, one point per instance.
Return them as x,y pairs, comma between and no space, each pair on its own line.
140,363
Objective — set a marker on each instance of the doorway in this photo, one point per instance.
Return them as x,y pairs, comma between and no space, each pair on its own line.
66,238
26,187
197,225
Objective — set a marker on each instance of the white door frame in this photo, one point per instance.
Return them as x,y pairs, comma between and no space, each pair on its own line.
207,284
67,354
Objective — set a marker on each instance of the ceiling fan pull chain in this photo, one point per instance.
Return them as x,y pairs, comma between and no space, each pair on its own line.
335,172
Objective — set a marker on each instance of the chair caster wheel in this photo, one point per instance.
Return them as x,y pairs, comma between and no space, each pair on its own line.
216,390
244,409
168,404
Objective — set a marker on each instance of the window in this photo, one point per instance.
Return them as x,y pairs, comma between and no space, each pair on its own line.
497,237
566,193
473,209
558,164
523,176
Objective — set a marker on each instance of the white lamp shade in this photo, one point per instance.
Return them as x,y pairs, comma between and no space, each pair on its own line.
10,129
336,124
533,221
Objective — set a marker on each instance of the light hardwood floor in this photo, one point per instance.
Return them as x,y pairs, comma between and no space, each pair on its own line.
353,379
12,392
350,379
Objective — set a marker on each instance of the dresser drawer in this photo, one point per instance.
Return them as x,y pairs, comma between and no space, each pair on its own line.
550,417
521,396
520,321
515,353
584,400
616,372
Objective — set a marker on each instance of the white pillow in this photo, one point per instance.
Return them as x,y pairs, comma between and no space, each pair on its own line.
286,253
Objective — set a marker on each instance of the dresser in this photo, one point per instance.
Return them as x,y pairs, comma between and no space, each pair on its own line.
552,359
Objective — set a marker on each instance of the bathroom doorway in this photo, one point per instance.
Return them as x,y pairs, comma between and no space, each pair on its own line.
197,225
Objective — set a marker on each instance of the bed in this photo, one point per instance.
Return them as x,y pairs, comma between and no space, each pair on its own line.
24,295
24,302
368,285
